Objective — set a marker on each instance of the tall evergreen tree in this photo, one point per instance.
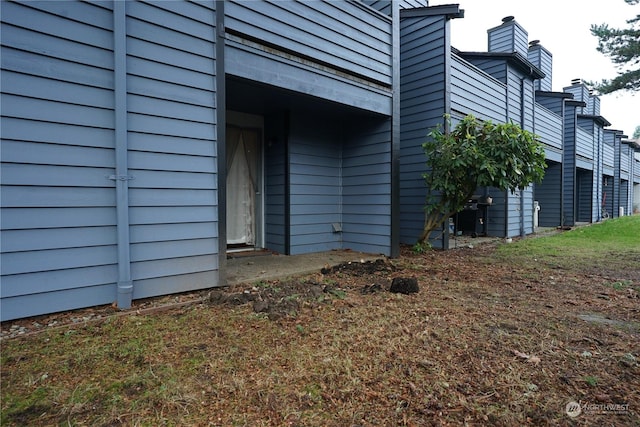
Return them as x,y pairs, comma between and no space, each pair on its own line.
623,47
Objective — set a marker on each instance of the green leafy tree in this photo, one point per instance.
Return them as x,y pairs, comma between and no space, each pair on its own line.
623,47
636,133
473,155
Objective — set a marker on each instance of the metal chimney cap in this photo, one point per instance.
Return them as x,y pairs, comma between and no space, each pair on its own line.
507,19
576,81
534,42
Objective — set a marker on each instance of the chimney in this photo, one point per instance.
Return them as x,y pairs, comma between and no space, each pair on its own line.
582,93
508,37
543,59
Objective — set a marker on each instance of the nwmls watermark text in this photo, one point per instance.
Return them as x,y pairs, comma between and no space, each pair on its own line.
575,409
604,408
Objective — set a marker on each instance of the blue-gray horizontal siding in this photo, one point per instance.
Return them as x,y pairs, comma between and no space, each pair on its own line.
254,62
542,59
569,167
340,172
59,248
624,197
548,193
275,170
345,35
423,103
172,146
475,92
509,37
384,6
584,144
584,195
607,157
551,103
58,205
513,213
548,126
580,93
520,105
625,159
315,184
366,187
606,203
496,213
527,209
594,105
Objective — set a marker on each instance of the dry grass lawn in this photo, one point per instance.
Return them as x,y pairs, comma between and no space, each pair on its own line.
490,339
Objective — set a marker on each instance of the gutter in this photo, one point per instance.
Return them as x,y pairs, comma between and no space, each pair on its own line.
221,129
121,178
522,115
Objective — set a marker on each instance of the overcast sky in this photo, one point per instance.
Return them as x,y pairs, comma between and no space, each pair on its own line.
563,28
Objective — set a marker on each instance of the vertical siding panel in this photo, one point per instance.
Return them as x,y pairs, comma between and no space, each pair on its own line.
616,173
569,165
423,102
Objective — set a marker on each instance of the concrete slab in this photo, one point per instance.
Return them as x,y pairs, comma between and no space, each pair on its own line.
253,267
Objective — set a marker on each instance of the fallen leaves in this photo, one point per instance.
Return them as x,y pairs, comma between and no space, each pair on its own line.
530,359
458,353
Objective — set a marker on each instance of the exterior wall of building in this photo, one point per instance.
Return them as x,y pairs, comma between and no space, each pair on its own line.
339,184
508,37
543,59
569,175
315,151
424,63
384,6
548,127
303,47
367,186
548,194
109,155
626,177
549,111
112,183
113,129
475,91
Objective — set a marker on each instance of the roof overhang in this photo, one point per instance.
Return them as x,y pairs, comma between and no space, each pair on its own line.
598,119
450,11
565,95
575,103
514,58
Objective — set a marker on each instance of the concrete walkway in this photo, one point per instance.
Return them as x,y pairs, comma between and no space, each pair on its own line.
256,266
